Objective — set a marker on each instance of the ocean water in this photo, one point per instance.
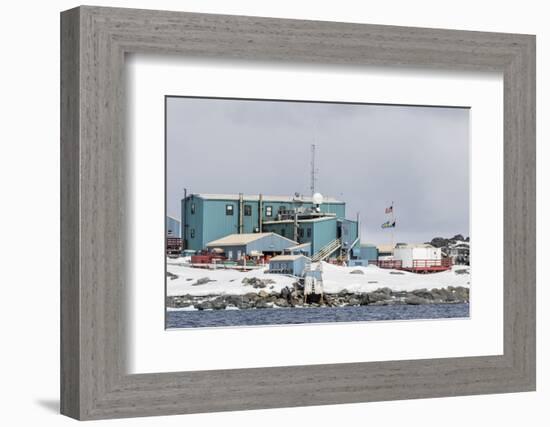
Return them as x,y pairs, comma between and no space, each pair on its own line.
285,316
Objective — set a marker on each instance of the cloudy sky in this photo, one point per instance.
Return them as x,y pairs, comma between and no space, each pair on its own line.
367,156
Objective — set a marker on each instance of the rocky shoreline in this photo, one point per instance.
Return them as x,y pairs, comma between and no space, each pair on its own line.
294,297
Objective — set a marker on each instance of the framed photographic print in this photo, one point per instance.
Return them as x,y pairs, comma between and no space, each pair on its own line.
281,242
345,209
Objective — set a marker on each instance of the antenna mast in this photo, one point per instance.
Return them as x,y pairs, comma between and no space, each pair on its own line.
313,170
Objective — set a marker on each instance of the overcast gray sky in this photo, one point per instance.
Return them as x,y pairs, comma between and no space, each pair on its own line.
367,156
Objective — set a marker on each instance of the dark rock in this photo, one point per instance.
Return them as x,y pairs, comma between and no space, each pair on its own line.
296,294
295,302
219,304
234,299
285,293
281,302
257,283
364,299
251,296
244,305
171,276
297,286
202,281
262,304
206,305
423,293
376,296
414,300
400,294
463,293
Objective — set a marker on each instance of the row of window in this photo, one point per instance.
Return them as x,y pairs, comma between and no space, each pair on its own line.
300,232
247,210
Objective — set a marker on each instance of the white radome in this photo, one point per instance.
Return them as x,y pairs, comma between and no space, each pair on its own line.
317,198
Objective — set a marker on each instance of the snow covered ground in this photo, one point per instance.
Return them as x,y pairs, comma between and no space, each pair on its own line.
335,279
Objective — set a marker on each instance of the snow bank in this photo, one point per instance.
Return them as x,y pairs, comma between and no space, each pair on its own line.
335,278
223,282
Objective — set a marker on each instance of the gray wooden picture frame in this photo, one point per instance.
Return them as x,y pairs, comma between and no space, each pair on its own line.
94,41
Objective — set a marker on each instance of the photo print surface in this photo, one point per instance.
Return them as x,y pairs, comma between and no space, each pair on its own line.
292,212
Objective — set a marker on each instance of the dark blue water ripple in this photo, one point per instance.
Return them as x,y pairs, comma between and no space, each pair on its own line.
283,316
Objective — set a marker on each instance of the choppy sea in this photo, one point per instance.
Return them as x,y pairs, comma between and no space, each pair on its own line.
286,316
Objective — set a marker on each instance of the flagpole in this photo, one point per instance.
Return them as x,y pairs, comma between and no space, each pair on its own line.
392,221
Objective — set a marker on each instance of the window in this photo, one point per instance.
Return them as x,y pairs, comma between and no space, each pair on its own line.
269,211
192,233
247,210
283,232
229,209
309,232
301,232
282,209
192,208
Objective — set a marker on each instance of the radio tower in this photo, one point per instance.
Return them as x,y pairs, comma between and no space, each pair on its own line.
313,170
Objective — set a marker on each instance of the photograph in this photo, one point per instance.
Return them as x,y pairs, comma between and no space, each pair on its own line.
287,212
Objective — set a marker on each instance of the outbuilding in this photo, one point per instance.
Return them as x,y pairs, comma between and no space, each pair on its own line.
368,253
296,265
236,246
420,258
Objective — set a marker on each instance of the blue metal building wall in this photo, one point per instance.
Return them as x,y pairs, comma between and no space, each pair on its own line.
297,266
216,223
300,266
323,232
356,250
231,252
173,227
349,233
369,252
193,230
336,208
250,223
285,229
210,222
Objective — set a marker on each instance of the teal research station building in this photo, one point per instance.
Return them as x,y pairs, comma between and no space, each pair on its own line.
316,225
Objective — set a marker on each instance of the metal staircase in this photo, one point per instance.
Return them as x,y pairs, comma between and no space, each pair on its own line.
327,250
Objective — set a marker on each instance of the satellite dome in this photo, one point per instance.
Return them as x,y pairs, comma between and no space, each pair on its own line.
317,198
